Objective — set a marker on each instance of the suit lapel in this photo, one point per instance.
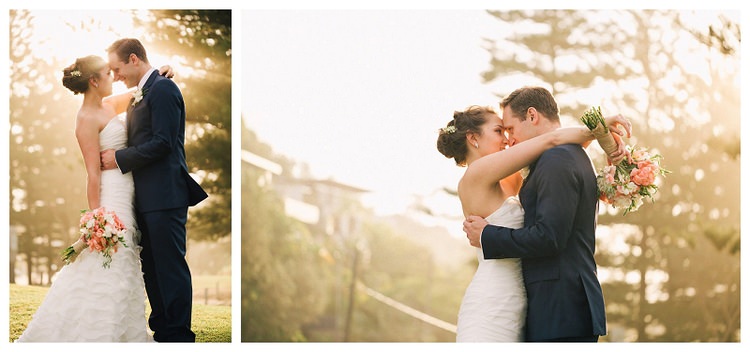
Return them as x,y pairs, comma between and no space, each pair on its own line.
150,81
130,105
531,171
130,117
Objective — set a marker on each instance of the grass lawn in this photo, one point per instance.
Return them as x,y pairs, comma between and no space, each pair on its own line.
211,323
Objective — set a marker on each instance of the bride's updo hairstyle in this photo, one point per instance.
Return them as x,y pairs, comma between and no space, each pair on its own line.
452,139
76,76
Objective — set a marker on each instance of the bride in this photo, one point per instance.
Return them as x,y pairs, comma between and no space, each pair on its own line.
88,302
493,308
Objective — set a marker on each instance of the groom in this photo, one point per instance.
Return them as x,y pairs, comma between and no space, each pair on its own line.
560,199
163,188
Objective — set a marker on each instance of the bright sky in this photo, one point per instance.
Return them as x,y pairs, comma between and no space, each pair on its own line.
58,35
359,95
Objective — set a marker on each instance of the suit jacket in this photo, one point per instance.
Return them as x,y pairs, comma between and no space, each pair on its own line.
156,149
556,244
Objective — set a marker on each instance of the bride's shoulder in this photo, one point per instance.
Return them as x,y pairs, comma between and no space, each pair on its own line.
87,119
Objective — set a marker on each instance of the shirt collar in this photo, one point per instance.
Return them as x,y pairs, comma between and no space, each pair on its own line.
145,78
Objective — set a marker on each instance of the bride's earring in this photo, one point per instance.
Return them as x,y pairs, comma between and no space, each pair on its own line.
476,144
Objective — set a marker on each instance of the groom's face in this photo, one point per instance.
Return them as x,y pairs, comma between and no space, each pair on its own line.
124,71
518,130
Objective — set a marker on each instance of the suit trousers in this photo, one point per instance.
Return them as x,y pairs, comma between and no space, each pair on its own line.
166,274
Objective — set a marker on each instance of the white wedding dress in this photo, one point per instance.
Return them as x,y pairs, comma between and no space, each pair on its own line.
494,306
90,303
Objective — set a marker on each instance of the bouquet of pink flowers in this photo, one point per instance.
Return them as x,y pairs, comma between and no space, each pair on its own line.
101,231
626,184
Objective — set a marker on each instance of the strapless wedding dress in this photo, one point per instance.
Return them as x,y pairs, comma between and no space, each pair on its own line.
90,303
493,308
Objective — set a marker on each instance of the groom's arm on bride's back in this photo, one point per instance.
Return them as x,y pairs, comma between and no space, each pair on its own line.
556,187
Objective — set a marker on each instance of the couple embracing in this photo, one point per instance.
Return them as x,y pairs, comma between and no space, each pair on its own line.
136,168
530,199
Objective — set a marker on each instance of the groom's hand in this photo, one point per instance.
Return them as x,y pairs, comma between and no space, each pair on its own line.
473,226
108,159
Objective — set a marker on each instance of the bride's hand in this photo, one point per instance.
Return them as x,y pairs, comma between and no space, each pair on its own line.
613,123
166,71
617,156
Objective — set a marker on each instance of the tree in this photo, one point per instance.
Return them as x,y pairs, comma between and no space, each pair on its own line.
284,280
725,35
46,172
202,41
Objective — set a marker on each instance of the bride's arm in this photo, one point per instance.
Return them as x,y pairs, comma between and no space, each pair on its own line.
120,101
489,169
87,133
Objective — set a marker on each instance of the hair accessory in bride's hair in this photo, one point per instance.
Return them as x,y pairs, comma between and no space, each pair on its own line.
448,130
75,73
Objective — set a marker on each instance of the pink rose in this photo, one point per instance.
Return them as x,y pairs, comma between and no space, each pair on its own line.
643,176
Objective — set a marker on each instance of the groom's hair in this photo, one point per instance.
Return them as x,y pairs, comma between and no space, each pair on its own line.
537,97
126,46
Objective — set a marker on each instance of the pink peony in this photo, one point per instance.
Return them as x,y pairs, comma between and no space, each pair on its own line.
644,176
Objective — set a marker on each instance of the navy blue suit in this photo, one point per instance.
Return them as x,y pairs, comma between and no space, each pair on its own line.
163,192
556,244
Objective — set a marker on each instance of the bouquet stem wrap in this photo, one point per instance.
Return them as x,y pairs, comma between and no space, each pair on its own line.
594,120
70,254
